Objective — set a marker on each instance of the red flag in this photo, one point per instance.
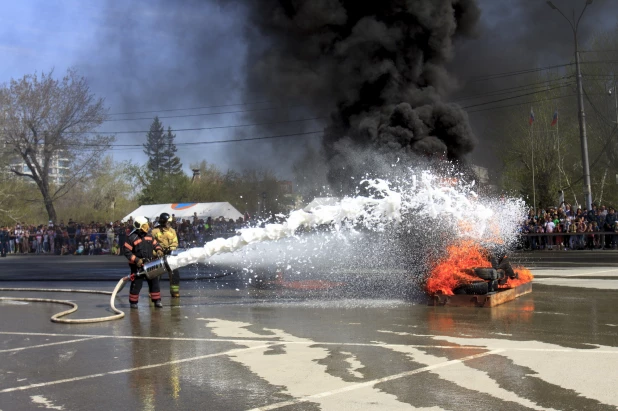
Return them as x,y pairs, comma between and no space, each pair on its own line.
554,120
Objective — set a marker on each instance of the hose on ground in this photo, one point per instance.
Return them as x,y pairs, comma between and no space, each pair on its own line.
57,318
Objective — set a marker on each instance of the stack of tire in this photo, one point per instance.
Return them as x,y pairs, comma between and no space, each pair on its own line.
488,282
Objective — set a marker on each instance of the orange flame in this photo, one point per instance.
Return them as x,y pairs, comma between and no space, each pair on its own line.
455,269
451,272
523,276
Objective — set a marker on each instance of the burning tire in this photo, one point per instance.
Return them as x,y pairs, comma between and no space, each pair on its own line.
477,288
486,273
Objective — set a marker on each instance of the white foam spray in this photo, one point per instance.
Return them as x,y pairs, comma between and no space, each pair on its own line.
423,195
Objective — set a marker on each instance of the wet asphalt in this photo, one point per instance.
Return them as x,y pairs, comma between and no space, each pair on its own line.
302,345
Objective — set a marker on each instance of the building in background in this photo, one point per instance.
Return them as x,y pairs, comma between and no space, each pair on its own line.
58,169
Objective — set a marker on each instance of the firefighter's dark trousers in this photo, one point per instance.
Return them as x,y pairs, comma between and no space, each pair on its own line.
136,286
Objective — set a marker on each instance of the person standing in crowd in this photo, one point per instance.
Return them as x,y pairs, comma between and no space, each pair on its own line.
39,241
110,234
120,234
72,231
25,246
610,226
12,241
58,240
45,241
4,241
549,228
168,240
140,248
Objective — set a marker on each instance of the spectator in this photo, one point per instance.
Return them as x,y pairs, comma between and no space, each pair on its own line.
115,249
71,232
110,233
549,228
39,241
80,249
610,227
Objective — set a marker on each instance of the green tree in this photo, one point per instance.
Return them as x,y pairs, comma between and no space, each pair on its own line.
163,179
154,148
47,125
171,163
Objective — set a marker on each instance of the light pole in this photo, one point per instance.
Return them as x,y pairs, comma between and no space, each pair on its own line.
580,104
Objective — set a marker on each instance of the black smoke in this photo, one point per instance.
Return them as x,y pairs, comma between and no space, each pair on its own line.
377,68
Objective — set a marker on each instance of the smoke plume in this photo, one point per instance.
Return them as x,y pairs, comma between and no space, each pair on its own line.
377,68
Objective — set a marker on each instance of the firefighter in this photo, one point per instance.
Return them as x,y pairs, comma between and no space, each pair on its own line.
168,240
140,248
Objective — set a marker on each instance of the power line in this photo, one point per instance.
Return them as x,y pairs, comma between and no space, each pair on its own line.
513,97
520,104
199,128
517,72
187,108
508,90
534,70
127,147
198,143
207,114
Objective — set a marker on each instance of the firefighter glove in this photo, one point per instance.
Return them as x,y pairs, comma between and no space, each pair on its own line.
159,253
139,262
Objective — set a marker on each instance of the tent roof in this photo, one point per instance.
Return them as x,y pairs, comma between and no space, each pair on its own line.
184,210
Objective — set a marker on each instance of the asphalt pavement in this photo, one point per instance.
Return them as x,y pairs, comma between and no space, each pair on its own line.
298,345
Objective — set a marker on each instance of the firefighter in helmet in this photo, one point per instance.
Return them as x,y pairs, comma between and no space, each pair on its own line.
168,240
140,248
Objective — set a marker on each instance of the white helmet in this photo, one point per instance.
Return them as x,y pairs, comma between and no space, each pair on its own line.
141,223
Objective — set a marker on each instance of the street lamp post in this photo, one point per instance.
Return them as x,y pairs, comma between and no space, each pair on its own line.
580,104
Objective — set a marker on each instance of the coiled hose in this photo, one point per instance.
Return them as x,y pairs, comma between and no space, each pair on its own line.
57,318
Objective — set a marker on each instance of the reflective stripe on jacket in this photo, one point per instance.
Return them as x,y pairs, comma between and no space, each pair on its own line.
140,245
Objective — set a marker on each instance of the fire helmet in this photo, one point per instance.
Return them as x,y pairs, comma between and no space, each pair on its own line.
141,223
164,218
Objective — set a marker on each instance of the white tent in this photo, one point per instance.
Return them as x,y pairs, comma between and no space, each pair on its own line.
186,210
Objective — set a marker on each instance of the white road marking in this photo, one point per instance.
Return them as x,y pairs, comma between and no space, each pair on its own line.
469,378
38,399
144,367
589,377
300,371
354,364
50,344
371,383
343,344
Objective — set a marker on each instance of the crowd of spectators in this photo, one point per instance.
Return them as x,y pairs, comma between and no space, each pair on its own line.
570,228
78,238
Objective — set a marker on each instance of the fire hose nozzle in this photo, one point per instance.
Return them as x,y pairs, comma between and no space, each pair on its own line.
154,269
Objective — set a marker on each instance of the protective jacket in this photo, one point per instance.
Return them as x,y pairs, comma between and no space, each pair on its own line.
166,237
140,245
610,220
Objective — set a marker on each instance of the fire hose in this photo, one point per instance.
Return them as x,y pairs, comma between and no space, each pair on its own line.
150,271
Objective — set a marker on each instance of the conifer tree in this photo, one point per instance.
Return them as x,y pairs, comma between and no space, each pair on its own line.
171,163
154,148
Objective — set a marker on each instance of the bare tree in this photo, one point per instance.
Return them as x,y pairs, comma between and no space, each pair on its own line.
44,119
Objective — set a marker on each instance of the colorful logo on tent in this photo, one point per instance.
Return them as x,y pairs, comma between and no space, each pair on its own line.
182,206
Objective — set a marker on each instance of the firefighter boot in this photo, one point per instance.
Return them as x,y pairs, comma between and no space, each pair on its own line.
133,305
158,304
